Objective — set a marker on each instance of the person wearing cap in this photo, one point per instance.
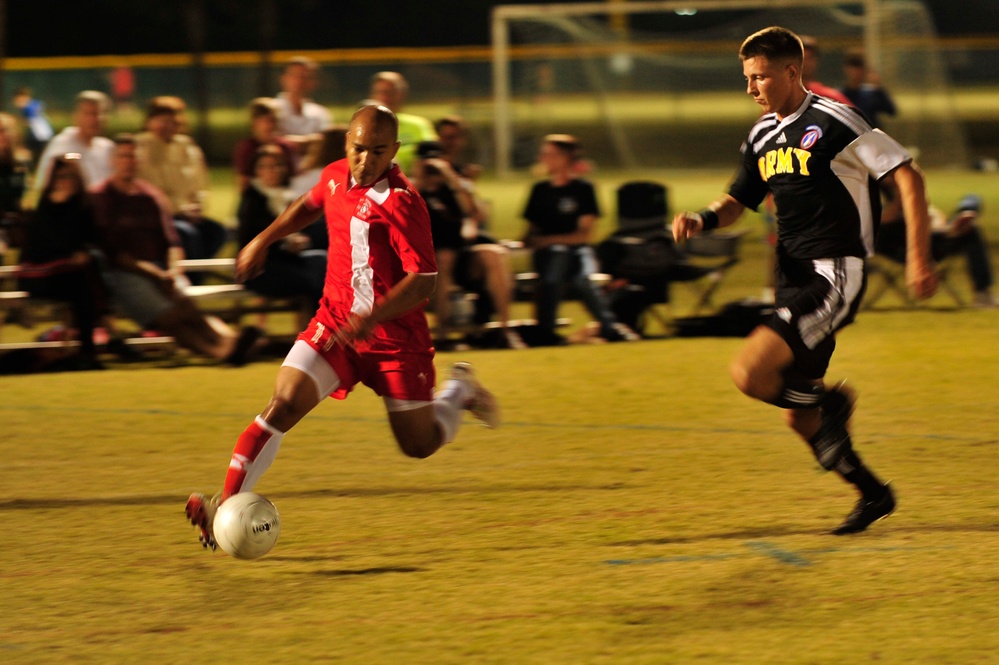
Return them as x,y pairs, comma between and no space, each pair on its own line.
466,258
958,234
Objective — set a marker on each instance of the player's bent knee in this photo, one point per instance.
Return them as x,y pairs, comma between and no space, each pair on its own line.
416,432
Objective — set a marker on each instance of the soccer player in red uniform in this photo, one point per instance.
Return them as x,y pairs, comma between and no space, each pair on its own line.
370,327
822,161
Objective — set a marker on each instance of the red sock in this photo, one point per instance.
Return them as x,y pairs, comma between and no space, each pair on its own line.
248,447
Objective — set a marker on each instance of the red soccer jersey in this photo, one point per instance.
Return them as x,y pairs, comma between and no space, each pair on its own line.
377,235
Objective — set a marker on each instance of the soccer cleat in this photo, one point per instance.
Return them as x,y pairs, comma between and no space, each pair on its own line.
483,403
619,332
201,511
867,512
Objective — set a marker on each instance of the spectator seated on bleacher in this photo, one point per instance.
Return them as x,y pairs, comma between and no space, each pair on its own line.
466,259
56,261
174,164
294,266
263,131
561,212
958,234
141,246
14,164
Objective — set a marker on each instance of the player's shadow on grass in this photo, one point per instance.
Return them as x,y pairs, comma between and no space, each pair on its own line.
763,533
159,500
364,572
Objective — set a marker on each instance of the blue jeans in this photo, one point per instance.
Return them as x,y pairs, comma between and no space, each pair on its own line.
562,264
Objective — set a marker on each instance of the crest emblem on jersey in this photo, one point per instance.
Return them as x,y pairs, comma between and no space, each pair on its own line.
363,209
812,135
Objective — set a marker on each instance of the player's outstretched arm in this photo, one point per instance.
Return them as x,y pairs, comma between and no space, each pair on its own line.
723,212
920,274
298,215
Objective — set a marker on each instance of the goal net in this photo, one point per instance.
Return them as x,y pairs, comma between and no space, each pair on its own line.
659,84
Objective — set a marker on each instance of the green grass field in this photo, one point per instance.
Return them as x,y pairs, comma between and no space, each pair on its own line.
633,509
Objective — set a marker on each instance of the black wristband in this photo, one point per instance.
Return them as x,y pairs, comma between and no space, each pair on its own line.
709,219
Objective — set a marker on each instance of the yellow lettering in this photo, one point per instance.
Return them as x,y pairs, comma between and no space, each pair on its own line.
803,156
785,164
762,163
771,163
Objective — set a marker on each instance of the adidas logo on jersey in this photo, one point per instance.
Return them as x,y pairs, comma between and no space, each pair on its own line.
782,138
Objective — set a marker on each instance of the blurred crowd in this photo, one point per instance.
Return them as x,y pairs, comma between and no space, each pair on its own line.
103,222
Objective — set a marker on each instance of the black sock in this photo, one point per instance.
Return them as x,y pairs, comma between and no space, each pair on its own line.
853,471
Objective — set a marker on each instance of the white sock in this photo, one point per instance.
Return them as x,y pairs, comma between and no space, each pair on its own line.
449,406
255,469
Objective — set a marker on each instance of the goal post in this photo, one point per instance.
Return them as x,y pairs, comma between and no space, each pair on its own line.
629,72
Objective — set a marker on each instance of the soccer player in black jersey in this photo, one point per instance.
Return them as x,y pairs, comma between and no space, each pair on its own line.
822,161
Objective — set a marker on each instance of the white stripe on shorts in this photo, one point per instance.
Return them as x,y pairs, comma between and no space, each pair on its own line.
847,277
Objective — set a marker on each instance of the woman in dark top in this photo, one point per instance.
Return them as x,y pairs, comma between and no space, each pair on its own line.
14,162
294,267
56,262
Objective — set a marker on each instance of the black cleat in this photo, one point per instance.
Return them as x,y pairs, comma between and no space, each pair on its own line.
866,513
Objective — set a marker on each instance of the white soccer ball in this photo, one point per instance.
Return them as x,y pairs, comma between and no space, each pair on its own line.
246,526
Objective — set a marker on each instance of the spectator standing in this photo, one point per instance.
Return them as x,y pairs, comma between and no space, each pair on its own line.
863,88
83,137
809,67
38,129
390,89
300,120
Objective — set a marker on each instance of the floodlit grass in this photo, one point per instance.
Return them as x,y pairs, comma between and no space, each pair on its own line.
634,508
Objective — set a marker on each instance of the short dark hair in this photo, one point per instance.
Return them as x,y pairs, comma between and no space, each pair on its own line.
450,121
123,138
773,43
855,58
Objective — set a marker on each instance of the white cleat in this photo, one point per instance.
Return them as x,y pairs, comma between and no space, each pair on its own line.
483,404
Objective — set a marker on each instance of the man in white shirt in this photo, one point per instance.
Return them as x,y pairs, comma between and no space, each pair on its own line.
300,119
83,137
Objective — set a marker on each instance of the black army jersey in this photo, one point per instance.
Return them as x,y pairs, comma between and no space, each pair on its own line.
822,164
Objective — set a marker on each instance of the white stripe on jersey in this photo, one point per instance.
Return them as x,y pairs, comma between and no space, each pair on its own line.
847,277
842,113
379,192
765,122
361,280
